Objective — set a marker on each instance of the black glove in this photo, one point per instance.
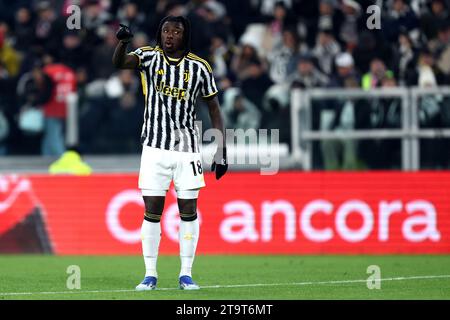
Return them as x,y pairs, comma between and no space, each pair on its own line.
124,34
220,164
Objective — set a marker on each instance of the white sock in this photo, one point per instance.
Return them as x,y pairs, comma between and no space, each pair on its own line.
151,236
188,237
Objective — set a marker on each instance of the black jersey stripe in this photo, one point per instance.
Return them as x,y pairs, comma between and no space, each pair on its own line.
159,123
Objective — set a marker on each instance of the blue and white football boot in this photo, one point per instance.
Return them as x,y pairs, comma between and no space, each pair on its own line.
186,283
149,283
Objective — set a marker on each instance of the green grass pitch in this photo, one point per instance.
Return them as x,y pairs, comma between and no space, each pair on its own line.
229,277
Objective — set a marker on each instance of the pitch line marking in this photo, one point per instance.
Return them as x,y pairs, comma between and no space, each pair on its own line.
232,285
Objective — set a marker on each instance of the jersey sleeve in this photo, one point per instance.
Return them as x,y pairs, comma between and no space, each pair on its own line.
208,88
144,54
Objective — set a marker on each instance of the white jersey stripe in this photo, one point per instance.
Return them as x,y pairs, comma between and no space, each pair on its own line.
170,109
178,106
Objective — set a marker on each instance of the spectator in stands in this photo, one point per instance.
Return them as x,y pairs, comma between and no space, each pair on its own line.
440,47
346,72
251,73
349,28
130,15
267,7
307,75
426,71
23,29
124,127
378,72
64,80
330,18
94,17
239,112
103,53
214,14
201,42
326,50
436,15
47,28
221,55
240,14
399,17
82,78
35,87
158,10
9,57
112,118
274,28
406,56
282,60
433,112
370,46
340,115
34,90
73,53
7,107
381,113
427,74
307,13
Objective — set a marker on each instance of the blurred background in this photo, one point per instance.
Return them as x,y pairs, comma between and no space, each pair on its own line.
342,95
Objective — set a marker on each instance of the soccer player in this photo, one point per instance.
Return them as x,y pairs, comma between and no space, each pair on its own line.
172,79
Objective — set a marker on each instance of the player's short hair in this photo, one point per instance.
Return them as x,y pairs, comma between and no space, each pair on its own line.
186,33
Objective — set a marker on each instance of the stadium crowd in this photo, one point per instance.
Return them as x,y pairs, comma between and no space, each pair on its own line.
259,51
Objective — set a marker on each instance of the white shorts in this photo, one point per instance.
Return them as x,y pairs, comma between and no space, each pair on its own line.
159,167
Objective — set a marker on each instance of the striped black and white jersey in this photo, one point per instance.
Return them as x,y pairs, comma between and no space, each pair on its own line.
171,88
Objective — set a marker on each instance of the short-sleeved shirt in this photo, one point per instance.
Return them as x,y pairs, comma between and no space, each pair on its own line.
64,80
171,88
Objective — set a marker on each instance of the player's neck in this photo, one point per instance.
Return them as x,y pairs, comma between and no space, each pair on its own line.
174,55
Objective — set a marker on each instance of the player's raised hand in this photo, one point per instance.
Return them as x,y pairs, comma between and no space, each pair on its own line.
220,165
124,33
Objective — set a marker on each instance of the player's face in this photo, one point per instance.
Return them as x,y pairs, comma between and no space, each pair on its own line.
172,36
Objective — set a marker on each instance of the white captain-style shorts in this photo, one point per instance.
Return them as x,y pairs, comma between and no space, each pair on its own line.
160,167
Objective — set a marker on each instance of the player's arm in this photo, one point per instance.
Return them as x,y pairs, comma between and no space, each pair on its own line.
121,59
219,165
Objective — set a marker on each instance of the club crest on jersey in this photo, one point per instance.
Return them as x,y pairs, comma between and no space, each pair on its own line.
161,72
186,76
174,92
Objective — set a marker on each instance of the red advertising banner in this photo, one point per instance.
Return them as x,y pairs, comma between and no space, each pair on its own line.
243,213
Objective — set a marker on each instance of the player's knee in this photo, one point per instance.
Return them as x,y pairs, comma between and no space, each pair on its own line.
154,205
188,209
